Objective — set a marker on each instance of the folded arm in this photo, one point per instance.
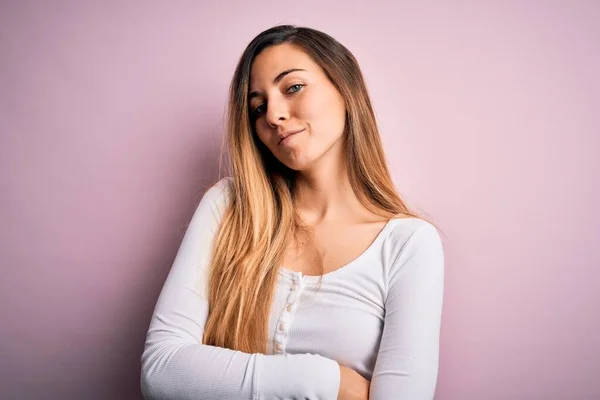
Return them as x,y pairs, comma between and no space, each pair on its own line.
175,363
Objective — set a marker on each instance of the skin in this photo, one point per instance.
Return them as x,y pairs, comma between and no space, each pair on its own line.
343,228
308,100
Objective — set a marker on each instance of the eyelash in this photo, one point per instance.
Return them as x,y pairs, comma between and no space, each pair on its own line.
255,114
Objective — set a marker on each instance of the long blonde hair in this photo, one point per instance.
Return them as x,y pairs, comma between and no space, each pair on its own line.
261,218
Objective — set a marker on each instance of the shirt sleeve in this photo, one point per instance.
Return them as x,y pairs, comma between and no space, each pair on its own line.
407,362
176,365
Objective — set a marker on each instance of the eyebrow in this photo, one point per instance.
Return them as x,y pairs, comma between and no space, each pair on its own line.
279,77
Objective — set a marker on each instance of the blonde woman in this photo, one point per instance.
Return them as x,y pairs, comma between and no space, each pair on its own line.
303,275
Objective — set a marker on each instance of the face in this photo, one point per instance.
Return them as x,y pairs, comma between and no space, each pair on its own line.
283,102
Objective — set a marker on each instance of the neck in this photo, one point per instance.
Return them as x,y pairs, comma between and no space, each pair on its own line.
324,193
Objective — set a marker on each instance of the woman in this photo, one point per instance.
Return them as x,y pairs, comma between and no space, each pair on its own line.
304,275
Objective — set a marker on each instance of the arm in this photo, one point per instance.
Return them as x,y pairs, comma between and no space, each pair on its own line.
407,362
176,365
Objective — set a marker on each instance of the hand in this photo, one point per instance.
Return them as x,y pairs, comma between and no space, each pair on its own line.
352,385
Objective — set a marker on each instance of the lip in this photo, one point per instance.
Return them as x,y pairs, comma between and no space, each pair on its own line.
286,135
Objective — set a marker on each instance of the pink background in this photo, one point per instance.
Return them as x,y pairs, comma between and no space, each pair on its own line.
111,119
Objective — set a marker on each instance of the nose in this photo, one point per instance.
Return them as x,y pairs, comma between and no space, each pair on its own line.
277,112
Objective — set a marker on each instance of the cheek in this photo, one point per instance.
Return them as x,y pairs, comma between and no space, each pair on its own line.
327,115
315,108
262,130
261,135
263,138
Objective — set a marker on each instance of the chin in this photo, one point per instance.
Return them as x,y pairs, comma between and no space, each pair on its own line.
296,165
296,162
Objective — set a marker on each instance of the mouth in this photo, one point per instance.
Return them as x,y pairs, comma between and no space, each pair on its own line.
284,138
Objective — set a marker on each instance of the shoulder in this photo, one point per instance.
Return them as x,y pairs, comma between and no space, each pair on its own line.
221,190
405,230
218,195
413,238
214,201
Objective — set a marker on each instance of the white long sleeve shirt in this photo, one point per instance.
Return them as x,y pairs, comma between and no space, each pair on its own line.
380,315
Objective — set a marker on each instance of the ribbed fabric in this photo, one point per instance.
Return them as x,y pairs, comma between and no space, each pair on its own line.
380,315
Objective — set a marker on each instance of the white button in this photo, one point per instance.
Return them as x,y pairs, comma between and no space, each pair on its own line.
278,347
281,326
290,307
294,286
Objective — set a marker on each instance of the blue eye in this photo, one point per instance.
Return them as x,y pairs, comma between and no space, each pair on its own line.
256,113
299,86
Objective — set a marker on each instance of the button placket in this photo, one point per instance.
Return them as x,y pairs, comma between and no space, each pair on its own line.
287,316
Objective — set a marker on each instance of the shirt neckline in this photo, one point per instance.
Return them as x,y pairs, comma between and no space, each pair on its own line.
311,279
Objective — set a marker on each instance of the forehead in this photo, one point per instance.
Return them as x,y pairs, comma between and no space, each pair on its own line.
275,59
